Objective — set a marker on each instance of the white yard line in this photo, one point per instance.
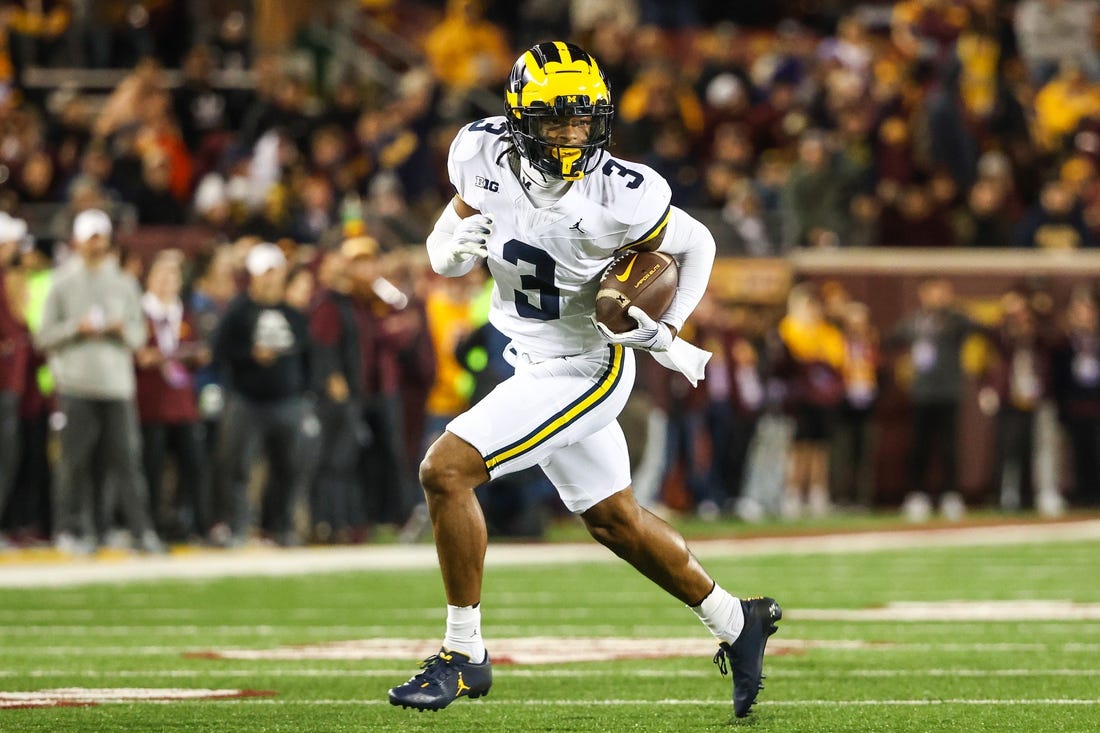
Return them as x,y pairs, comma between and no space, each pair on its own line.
910,612
301,561
411,647
573,703
503,671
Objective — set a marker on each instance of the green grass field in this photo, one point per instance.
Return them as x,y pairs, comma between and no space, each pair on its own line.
847,657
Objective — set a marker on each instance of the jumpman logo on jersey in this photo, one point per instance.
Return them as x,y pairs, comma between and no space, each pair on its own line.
577,226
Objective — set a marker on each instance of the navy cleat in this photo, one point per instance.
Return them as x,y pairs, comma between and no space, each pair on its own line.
745,657
446,676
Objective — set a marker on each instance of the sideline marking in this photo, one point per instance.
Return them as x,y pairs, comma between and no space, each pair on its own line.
564,650
985,611
309,560
725,703
413,646
895,611
84,697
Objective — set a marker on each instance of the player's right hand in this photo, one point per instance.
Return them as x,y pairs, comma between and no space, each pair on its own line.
470,237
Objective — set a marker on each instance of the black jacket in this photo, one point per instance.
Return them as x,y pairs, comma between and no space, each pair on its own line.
247,324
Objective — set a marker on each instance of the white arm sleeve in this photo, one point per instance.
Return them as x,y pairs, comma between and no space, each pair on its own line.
439,252
692,246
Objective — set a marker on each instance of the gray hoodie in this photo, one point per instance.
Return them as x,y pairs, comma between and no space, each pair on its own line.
92,367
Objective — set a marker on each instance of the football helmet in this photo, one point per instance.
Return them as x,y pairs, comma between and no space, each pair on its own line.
552,85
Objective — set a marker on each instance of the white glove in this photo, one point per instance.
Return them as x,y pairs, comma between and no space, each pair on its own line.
469,238
649,335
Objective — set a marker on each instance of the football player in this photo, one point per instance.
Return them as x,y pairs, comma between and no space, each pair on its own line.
543,201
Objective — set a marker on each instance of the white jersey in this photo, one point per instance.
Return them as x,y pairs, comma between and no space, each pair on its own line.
547,261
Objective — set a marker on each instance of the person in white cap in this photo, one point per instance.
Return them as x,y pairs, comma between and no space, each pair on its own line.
263,349
14,354
92,323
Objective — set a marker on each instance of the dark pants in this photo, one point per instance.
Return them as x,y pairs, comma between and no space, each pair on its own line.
275,519
851,463
246,427
104,431
1015,453
29,505
934,423
336,482
390,492
1084,437
684,448
190,513
10,445
731,434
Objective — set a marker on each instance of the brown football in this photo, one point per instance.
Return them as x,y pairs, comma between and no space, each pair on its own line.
645,279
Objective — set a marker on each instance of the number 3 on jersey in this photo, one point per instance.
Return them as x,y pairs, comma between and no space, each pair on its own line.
540,284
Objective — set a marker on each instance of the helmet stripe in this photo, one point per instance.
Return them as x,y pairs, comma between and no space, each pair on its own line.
564,52
548,52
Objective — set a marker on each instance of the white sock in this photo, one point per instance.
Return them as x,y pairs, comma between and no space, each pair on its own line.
722,614
464,632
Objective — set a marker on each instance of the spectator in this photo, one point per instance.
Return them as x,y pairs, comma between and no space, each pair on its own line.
385,330
934,335
14,355
815,199
851,462
657,98
91,325
37,182
671,157
203,112
131,100
1055,222
30,506
1052,31
952,144
263,349
299,294
36,30
1076,386
916,220
167,405
465,50
314,219
449,307
153,199
735,388
986,222
213,208
812,367
1062,103
338,368
1018,384
927,28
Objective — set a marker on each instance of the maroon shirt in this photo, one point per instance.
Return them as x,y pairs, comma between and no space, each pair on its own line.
15,346
35,403
166,392
383,333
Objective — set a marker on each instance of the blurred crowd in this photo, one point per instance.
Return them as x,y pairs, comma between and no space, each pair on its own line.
293,317
917,123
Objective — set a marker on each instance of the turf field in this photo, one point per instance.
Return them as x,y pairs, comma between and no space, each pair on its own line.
998,634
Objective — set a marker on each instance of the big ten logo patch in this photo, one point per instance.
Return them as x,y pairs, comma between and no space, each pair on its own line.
486,184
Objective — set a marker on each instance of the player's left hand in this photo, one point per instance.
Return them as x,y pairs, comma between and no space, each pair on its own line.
649,335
